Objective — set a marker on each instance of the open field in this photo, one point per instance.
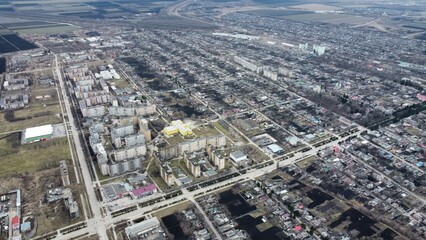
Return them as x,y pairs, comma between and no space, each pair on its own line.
231,133
171,210
277,13
315,7
12,43
51,217
33,116
38,27
47,217
47,29
100,176
154,173
86,9
329,18
121,83
17,159
306,162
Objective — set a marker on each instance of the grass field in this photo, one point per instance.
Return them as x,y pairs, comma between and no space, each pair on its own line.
100,176
51,118
16,159
46,29
329,18
230,133
174,209
154,173
306,162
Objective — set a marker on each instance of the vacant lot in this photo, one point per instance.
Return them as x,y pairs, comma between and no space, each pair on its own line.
277,13
30,117
39,27
16,159
329,18
315,7
47,29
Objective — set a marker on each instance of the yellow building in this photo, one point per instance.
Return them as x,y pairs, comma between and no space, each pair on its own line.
178,126
170,131
184,130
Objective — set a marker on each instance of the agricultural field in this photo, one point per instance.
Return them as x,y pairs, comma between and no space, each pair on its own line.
308,15
329,18
95,9
13,43
277,13
315,7
37,27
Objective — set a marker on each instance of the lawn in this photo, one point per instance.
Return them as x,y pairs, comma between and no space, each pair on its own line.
154,173
307,161
174,209
34,116
99,174
47,29
17,159
121,83
231,133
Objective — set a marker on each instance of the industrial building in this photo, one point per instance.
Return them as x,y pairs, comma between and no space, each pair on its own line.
39,133
148,226
275,148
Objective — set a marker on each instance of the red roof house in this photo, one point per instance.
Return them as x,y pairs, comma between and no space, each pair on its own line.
145,190
15,222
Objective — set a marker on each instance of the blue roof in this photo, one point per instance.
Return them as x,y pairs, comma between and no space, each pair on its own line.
26,226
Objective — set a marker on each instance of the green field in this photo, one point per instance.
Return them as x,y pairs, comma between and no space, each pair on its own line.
17,159
47,29
32,117
154,173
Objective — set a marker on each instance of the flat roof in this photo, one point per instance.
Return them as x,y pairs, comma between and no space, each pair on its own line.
238,156
142,227
275,148
38,131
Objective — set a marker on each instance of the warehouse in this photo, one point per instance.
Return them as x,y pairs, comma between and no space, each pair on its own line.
150,227
238,157
274,148
39,133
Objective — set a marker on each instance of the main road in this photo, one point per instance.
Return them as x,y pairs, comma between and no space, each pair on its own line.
99,224
97,221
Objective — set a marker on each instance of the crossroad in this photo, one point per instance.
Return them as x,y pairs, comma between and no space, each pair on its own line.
97,222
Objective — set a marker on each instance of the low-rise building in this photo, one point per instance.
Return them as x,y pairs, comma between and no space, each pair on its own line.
238,157
139,229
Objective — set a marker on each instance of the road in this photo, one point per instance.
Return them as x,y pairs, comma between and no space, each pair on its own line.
206,218
364,24
416,196
94,225
97,222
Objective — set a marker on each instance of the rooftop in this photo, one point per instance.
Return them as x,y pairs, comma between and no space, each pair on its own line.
38,131
142,227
